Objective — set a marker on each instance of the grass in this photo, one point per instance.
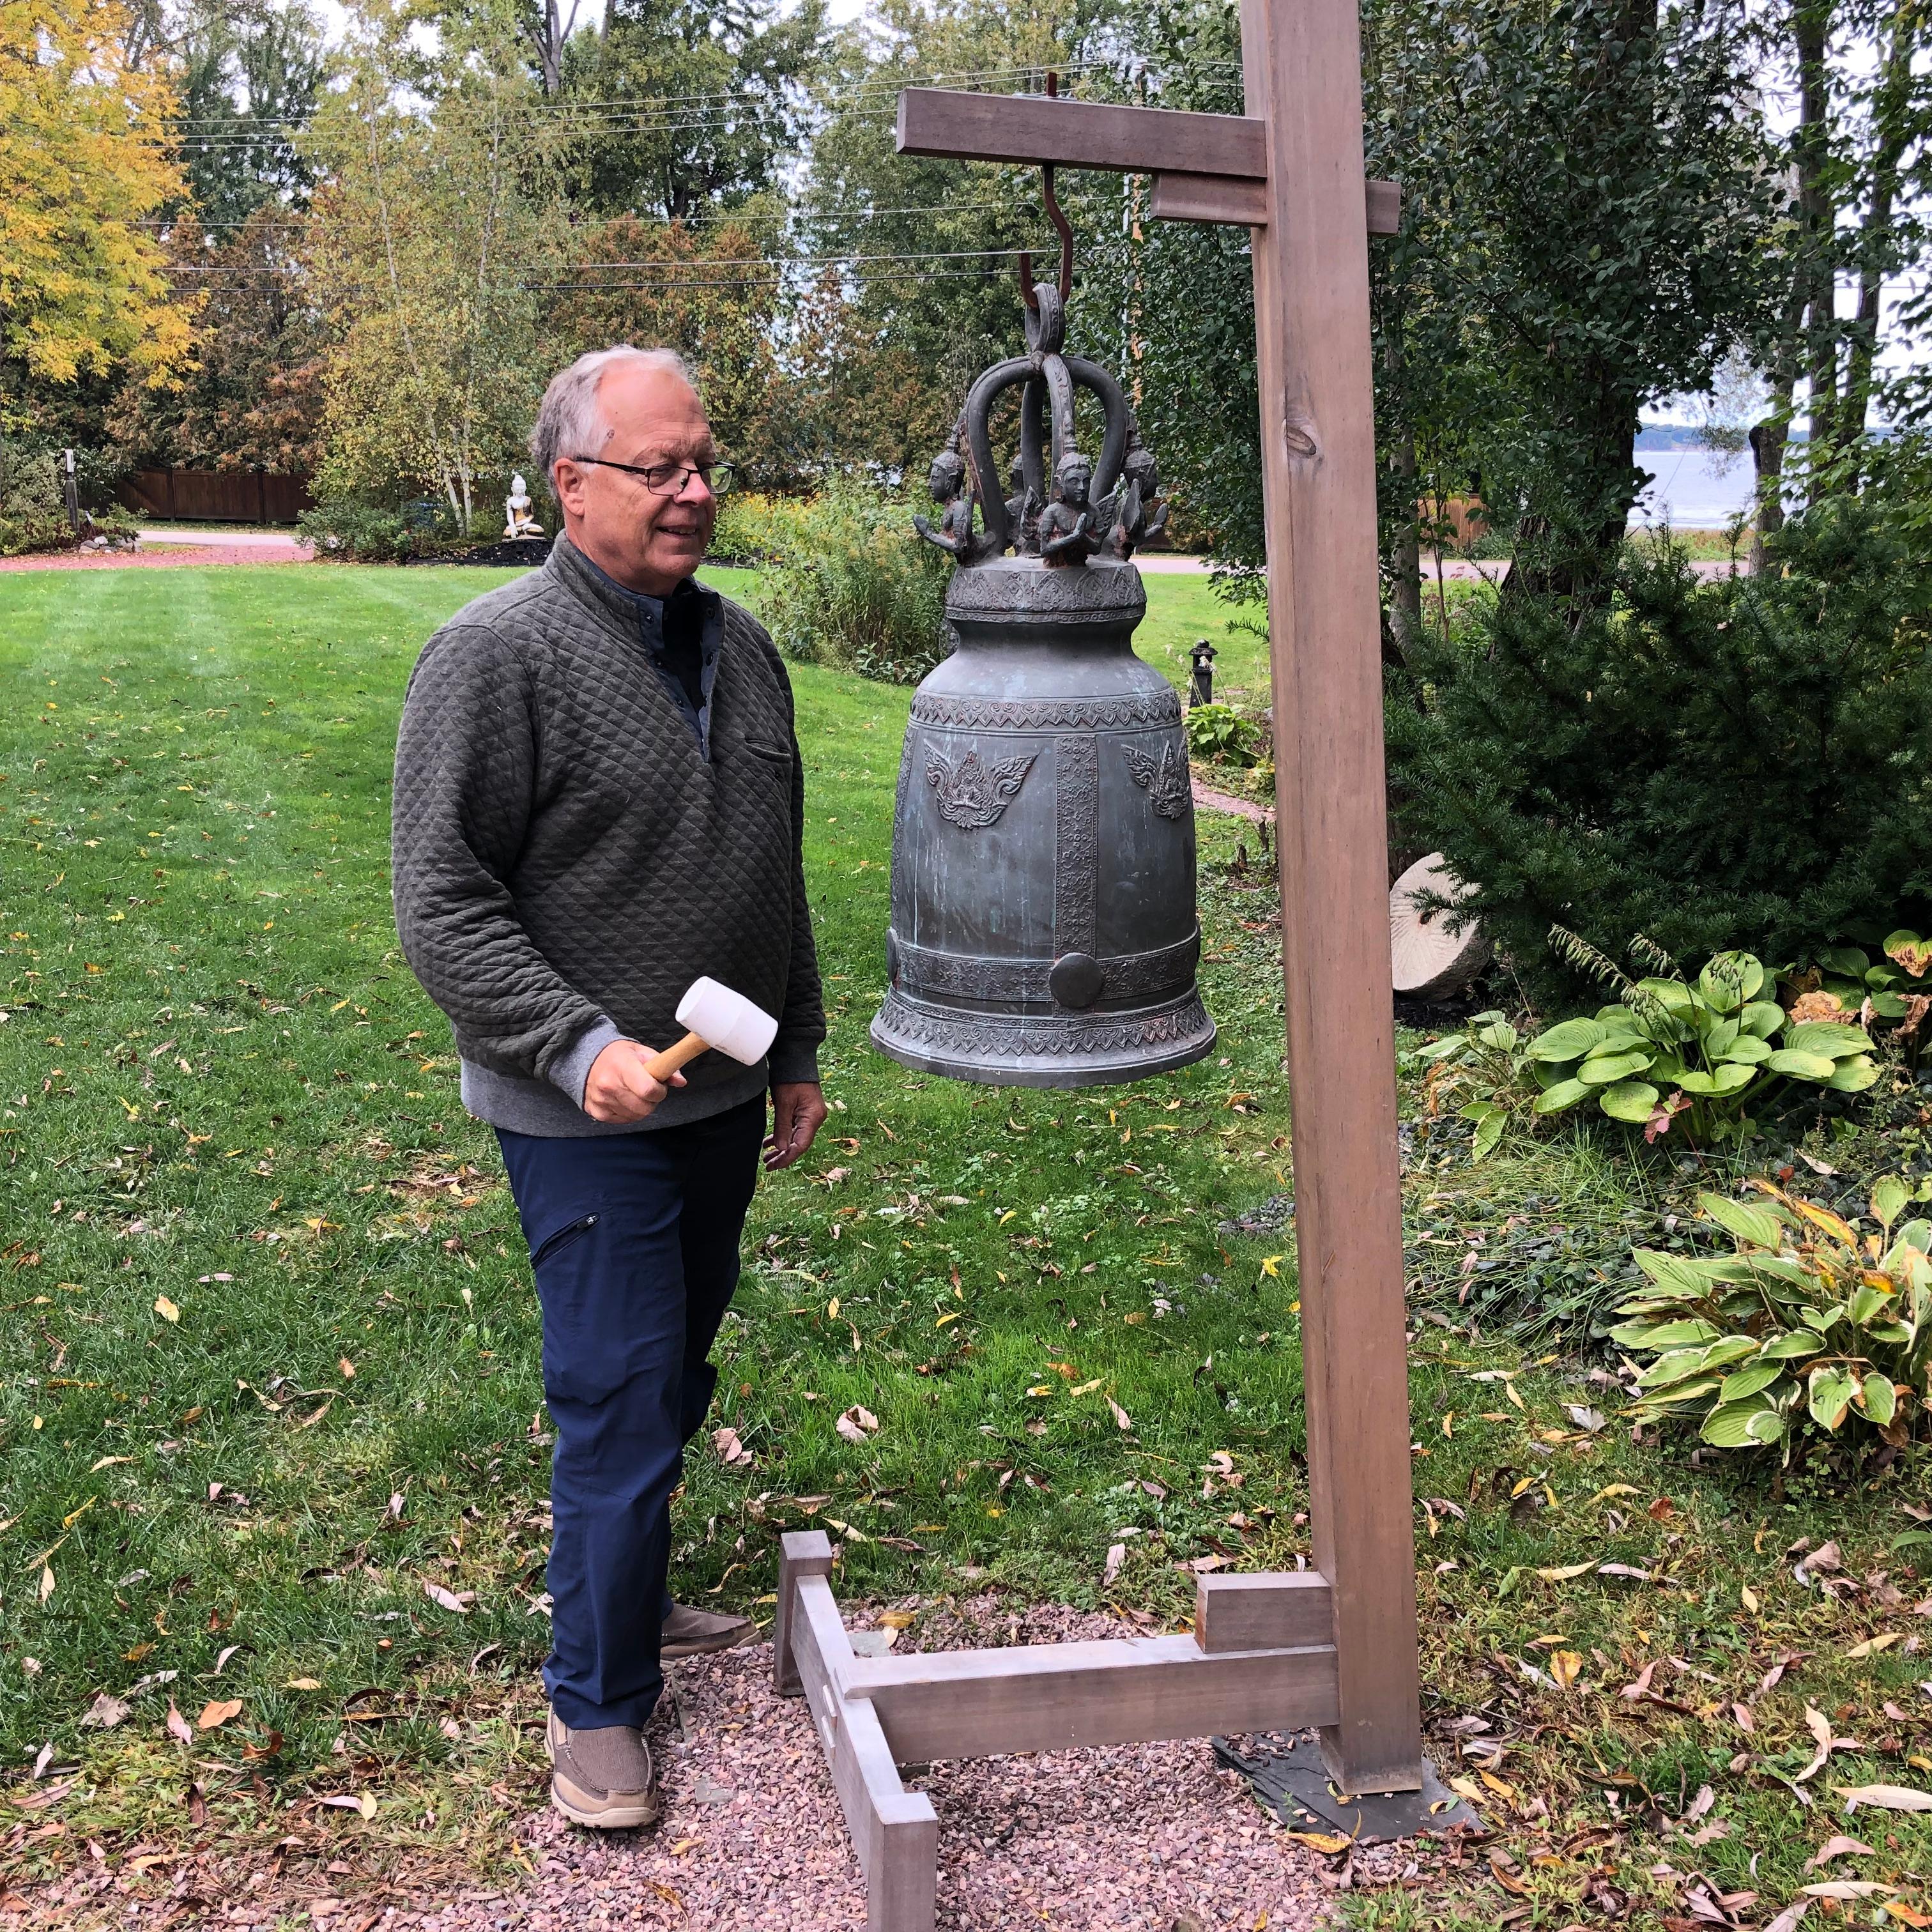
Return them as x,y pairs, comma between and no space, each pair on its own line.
271,1353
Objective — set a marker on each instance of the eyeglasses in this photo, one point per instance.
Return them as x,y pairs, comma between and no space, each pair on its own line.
668,479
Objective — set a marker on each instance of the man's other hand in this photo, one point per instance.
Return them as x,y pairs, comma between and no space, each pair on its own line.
798,1112
620,1088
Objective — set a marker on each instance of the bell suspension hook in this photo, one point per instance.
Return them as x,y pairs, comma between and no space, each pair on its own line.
1062,227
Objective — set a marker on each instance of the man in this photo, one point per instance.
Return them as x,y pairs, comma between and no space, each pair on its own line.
599,799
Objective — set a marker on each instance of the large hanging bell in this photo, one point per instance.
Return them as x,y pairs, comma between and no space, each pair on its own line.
1043,928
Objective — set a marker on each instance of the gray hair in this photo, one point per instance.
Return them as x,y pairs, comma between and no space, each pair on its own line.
568,421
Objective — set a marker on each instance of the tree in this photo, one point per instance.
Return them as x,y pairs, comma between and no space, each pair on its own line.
252,398
711,294
250,70
676,108
922,251
83,288
430,233
1857,161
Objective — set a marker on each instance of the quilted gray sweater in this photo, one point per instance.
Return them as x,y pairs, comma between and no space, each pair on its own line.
575,844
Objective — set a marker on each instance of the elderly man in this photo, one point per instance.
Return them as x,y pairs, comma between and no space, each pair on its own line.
599,799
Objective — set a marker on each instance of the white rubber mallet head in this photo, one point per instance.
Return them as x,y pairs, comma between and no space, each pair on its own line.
719,1019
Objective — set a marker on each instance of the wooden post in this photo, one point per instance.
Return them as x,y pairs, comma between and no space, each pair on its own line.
1301,61
802,1552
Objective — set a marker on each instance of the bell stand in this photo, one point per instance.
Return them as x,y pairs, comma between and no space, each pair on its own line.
1334,1647
1262,1658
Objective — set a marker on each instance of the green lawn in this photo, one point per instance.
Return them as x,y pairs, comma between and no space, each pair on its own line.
271,1357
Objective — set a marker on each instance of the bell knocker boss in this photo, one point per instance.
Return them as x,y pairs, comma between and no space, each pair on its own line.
599,804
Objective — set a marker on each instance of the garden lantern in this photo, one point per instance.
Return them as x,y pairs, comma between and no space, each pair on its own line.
1043,927
1201,679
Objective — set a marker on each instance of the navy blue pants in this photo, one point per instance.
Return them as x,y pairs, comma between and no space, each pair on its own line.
633,1243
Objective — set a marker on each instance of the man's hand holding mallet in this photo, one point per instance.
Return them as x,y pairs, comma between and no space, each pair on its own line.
628,1082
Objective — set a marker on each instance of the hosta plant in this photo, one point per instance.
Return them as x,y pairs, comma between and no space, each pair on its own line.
1486,1061
1697,1052
1843,979
1809,1326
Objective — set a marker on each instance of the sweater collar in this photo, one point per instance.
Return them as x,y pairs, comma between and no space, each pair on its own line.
635,610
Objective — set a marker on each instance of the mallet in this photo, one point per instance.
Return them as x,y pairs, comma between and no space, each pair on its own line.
717,1018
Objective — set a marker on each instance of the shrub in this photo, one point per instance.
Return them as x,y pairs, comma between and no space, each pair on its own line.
1219,733
349,532
33,511
1808,1326
851,584
1743,763
1702,1050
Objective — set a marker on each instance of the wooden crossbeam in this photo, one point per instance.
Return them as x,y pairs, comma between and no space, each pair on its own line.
1278,1610
1055,1696
1037,129
1207,167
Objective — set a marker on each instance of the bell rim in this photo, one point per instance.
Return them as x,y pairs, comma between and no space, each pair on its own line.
1118,1063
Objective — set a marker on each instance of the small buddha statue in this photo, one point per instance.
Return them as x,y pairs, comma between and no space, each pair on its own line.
1140,515
1023,509
946,481
1066,523
518,518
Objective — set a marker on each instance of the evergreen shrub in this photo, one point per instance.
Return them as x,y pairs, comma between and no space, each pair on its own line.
1746,763
851,584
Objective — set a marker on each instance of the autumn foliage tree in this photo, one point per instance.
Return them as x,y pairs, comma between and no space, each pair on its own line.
84,292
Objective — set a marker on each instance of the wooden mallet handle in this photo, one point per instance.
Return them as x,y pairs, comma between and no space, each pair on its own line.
662,1066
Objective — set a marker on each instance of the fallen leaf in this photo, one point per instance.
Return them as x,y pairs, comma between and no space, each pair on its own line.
1847,1888
1872,1646
1748,1597
107,1463
166,1308
1584,1417
177,1726
1904,1914
857,1424
303,1684
1568,1570
348,1369
1788,1920
1121,1418
214,1714
1565,1666
1117,1555
1837,1847
364,1802
1640,1685
729,1449
1884,1797
448,1600
104,1713
1327,1842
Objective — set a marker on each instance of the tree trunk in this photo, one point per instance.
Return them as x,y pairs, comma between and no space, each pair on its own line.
1892,130
1811,23
1405,555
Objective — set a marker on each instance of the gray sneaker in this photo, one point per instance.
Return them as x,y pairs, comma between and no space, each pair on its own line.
601,1778
690,1632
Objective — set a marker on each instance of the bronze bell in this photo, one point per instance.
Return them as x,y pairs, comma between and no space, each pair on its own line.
1043,928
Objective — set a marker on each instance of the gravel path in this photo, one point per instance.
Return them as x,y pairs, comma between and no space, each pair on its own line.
173,556
1138,1838
1134,1839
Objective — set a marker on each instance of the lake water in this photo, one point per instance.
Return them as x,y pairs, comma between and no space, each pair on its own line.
1694,489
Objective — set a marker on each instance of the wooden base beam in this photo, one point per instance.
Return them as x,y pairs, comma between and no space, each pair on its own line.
895,1832
873,1714
1055,1697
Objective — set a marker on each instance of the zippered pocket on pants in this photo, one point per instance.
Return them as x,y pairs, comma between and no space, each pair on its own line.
555,1243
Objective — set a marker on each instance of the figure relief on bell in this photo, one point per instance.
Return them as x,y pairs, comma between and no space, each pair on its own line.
1043,926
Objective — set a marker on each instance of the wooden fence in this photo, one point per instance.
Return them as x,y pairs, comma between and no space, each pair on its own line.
216,496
